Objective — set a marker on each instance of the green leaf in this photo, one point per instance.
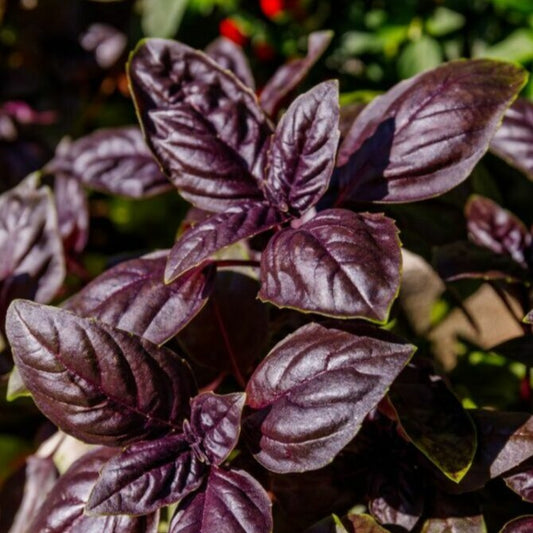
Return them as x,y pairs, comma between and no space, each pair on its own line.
12,451
518,46
15,386
162,18
419,55
525,6
444,21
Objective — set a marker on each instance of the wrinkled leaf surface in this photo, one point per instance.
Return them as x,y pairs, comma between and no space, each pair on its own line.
398,150
132,296
338,263
313,391
97,383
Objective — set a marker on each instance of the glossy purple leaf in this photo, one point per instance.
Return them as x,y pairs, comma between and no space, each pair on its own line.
230,332
464,260
215,424
521,482
231,502
132,296
63,509
338,263
218,231
301,155
230,57
205,127
528,319
147,476
288,76
397,492
41,475
32,264
455,514
114,160
72,213
434,420
398,150
513,141
505,439
313,391
497,229
97,383
522,524
347,115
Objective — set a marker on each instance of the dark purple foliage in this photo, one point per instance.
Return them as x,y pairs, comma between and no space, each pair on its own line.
397,149
288,76
146,476
338,263
512,141
204,126
32,264
98,383
63,511
132,297
270,384
230,502
312,393
114,160
230,56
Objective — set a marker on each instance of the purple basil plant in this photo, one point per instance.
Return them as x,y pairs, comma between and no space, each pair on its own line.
288,258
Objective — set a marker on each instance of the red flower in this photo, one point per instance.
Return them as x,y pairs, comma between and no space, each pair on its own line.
230,29
272,8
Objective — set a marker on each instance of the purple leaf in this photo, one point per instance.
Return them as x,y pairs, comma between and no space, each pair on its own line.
505,440
115,160
146,476
41,475
132,296
522,524
434,420
230,57
215,423
72,213
288,76
463,260
230,332
32,264
230,502
63,509
497,229
313,391
455,514
522,483
398,150
301,155
205,127
99,384
338,263
397,491
513,140
218,231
